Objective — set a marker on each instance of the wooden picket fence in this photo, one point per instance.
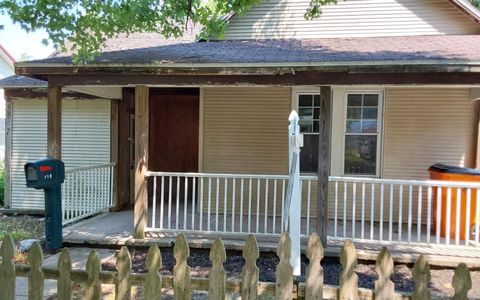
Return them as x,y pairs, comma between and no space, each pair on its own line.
248,286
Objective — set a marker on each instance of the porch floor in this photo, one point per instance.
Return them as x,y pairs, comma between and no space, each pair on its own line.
116,229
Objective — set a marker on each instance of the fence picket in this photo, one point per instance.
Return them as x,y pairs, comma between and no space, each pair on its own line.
7,269
217,283
181,271
123,285
153,281
421,277
35,276
218,286
93,287
64,282
462,282
249,290
384,287
314,279
284,272
348,279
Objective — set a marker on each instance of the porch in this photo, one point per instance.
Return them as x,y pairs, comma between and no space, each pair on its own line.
400,214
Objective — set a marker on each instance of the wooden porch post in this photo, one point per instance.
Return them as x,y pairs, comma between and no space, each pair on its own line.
141,160
54,122
324,143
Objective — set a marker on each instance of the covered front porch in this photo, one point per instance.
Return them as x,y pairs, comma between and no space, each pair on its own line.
175,173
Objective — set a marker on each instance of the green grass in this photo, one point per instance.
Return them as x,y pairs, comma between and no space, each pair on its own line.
21,227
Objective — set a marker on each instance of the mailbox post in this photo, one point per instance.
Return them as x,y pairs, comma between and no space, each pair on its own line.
49,174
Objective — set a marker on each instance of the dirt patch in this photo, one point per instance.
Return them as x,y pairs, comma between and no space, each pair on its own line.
21,227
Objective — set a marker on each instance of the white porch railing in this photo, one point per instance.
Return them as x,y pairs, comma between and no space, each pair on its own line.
222,203
363,209
87,191
405,211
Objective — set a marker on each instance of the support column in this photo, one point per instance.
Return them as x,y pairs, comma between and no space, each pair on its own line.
324,144
141,160
54,122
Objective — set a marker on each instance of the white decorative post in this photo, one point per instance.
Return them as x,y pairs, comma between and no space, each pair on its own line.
293,202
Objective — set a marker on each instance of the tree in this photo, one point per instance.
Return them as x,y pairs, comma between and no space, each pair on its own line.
476,3
85,24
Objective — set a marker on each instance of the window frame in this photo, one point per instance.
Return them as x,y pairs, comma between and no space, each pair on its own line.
379,134
295,99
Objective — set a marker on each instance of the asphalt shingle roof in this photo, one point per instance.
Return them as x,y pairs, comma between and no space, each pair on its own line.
152,49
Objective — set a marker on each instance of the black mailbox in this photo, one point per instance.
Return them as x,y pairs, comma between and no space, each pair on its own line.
49,174
45,173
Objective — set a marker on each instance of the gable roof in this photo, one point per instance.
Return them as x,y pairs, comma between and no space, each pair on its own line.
467,8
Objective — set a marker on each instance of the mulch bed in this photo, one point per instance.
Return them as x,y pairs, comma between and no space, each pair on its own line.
267,262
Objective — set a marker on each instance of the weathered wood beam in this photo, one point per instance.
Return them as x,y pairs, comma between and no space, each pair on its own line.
324,144
141,160
114,149
54,121
42,93
299,78
124,168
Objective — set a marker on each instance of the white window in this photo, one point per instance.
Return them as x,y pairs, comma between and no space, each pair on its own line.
362,138
309,110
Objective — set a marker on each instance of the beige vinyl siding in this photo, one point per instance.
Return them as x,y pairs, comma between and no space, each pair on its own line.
85,140
274,19
427,126
245,130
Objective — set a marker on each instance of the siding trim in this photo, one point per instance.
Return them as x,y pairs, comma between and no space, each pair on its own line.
8,153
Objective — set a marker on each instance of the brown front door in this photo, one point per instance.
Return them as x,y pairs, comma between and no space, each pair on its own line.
173,136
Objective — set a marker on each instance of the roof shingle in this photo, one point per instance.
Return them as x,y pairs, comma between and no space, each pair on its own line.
153,50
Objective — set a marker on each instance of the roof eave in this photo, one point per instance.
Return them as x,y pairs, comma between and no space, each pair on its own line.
467,8
403,66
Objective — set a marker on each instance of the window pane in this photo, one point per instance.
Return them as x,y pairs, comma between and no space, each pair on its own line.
354,100
369,126
309,154
360,155
305,113
316,113
370,100
316,126
316,100
305,126
305,100
370,113
354,113
354,126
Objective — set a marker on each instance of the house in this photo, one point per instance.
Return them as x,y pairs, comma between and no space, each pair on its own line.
6,69
198,130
